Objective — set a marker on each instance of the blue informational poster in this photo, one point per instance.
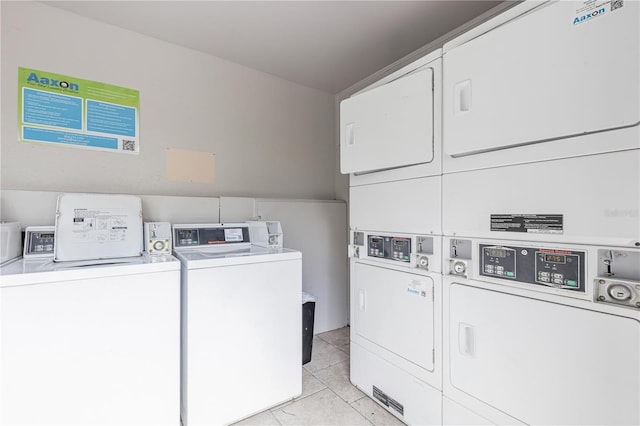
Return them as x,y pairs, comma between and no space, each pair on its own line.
64,110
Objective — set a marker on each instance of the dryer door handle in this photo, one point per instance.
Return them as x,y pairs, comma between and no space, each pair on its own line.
462,97
350,133
361,300
466,340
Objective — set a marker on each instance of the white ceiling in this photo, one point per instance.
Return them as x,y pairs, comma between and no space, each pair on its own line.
326,45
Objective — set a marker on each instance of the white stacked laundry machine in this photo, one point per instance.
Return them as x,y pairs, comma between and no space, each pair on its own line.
523,223
390,145
541,292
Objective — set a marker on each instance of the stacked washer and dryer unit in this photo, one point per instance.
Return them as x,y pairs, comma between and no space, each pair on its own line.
390,144
539,300
541,159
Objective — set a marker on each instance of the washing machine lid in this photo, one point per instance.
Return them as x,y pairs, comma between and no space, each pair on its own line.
45,270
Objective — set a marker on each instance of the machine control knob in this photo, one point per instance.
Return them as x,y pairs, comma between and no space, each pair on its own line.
423,262
619,292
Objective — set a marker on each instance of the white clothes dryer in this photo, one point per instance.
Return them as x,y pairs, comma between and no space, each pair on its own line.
241,323
396,323
86,343
540,333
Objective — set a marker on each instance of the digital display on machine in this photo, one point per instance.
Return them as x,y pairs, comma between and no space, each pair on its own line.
495,252
375,240
550,267
187,236
50,235
555,258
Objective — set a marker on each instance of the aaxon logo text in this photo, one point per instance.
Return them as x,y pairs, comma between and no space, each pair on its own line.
588,16
52,83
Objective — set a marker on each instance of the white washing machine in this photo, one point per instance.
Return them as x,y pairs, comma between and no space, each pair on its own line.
241,323
90,341
90,344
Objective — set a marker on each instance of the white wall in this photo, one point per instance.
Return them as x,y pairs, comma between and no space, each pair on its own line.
271,138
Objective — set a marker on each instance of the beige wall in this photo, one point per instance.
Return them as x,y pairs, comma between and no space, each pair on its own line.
271,138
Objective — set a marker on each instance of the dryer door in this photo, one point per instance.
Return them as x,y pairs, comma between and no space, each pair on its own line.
394,310
542,76
388,126
541,362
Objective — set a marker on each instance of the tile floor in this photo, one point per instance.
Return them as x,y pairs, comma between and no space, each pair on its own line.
328,397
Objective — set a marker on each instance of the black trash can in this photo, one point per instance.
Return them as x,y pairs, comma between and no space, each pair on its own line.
308,313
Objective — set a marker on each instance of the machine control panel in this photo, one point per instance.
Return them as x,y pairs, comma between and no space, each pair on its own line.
534,265
392,248
208,236
39,241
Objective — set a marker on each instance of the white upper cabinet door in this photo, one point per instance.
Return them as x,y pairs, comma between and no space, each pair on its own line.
564,69
388,126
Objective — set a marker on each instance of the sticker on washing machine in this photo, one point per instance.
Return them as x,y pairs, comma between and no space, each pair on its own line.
530,223
233,235
590,10
96,225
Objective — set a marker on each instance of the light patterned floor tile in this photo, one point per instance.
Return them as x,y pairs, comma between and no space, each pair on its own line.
324,355
265,418
321,408
338,337
336,377
310,385
375,413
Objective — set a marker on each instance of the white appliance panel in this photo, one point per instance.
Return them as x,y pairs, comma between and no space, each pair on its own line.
98,226
395,311
101,350
389,126
10,241
454,414
598,197
402,206
541,362
228,375
422,404
586,80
